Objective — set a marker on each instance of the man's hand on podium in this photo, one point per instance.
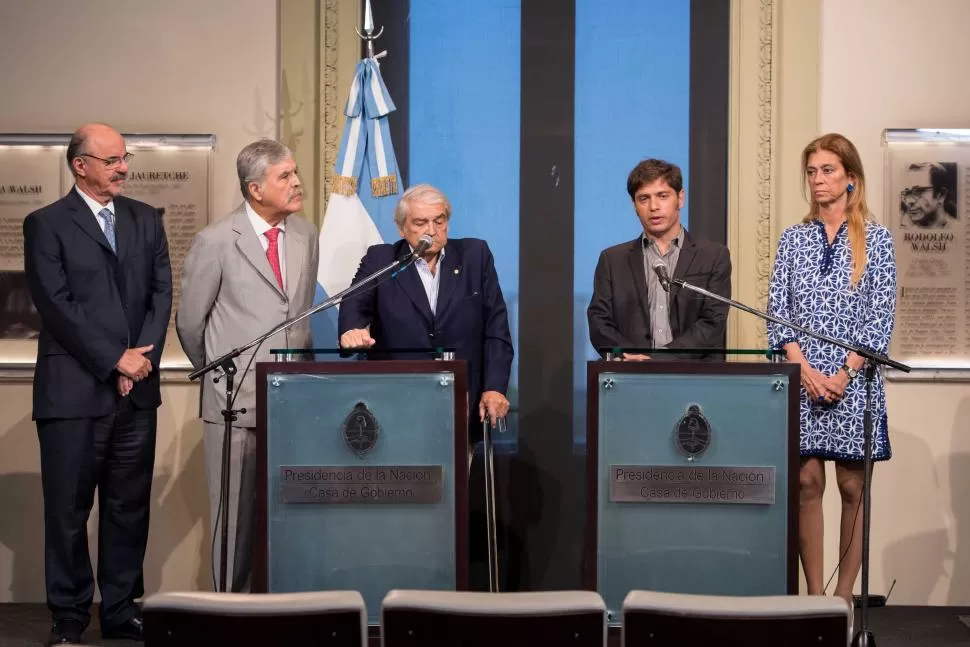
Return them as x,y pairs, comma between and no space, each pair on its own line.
635,357
357,338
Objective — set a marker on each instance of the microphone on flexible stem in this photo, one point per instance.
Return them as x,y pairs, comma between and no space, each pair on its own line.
407,258
661,270
424,243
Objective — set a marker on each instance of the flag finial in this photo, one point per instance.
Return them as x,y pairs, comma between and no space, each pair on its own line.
368,19
369,36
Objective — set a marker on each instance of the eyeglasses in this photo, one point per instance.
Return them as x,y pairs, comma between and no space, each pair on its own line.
914,192
111,162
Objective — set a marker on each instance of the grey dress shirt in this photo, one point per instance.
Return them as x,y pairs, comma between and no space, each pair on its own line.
657,298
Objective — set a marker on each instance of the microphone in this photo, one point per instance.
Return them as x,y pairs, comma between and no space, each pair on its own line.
661,270
406,257
424,243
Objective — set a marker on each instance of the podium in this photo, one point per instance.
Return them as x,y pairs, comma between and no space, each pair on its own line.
362,479
692,471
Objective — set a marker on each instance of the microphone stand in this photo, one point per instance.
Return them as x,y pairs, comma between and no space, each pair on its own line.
863,637
228,366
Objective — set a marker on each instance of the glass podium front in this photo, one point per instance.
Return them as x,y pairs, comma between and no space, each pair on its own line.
363,477
693,472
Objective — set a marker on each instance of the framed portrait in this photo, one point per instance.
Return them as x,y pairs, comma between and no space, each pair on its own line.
926,202
171,172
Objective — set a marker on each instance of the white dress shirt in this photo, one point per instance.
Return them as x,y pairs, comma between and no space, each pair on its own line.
96,208
261,227
428,280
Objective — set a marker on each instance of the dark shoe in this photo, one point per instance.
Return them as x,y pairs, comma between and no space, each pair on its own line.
132,629
66,631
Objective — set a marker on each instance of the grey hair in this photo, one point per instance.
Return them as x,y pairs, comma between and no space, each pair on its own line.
78,139
255,158
422,194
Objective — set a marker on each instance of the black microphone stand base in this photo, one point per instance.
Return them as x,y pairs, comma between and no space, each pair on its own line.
864,638
874,601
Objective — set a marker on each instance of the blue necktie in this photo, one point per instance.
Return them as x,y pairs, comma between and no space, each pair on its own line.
109,227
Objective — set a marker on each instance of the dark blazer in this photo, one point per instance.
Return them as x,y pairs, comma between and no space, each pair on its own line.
471,316
93,304
619,313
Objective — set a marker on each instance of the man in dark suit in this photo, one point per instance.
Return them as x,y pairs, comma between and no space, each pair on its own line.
98,270
630,308
451,298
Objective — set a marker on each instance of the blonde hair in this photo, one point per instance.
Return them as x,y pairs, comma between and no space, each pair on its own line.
856,209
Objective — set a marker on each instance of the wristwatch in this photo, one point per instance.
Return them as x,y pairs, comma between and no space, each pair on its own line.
851,372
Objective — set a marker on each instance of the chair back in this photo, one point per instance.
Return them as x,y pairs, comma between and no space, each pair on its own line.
678,620
201,619
439,618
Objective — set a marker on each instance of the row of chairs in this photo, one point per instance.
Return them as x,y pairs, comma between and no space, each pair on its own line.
432,618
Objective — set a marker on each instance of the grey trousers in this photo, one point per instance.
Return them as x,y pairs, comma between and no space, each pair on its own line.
242,501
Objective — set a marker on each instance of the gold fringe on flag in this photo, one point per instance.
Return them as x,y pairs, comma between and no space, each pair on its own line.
383,186
344,185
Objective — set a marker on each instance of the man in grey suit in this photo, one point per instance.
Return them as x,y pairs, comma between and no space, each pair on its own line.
243,275
630,308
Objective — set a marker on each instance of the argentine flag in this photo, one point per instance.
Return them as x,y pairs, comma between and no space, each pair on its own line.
365,180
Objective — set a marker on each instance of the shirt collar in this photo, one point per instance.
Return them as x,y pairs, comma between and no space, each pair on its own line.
93,204
678,240
260,225
844,225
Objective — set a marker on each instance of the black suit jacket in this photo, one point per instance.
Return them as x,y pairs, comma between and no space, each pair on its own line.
619,313
470,315
93,304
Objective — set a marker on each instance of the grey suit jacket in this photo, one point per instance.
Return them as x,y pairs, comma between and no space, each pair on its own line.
230,296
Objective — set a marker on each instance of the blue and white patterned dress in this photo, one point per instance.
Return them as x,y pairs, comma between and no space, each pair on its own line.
810,287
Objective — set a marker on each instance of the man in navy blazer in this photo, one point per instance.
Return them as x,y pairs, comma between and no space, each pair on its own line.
98,271
450,298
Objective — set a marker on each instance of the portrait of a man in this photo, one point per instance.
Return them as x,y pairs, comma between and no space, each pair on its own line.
928,196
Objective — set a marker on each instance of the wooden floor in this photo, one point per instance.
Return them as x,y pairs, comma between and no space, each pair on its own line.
28,625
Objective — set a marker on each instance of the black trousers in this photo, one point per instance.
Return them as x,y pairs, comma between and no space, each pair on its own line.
115,455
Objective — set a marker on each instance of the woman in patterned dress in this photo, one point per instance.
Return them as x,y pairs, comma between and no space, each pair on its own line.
835,273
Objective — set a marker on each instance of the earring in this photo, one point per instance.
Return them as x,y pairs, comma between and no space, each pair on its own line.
850,188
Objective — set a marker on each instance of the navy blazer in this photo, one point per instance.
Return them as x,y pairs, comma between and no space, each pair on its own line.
470,316
94,304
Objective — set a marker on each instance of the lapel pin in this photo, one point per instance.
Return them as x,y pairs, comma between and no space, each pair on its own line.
457,270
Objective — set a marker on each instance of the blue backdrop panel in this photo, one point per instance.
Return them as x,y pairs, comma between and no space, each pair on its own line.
632,102
464,127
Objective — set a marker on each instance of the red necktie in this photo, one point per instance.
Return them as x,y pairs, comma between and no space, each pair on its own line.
273,254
